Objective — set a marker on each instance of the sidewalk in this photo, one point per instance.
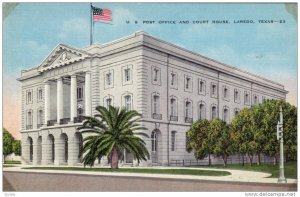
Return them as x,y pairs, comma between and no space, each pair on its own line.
236,175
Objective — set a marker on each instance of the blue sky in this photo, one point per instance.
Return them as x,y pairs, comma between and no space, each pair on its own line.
32,30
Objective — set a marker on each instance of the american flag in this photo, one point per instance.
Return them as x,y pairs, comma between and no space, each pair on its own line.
102,14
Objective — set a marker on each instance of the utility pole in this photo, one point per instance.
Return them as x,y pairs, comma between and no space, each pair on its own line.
281,178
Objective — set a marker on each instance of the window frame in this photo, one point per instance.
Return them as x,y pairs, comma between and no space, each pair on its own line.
128,68
188,83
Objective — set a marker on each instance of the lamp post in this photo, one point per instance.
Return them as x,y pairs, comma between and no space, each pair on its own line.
281,178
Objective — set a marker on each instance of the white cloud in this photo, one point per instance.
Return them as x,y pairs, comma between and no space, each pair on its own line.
121,15
74,27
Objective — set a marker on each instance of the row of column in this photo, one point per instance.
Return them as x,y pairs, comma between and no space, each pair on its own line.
73,98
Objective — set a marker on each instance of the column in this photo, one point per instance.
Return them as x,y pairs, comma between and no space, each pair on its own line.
72,159
59,151
35,152
60,107
87,94
73,98
47,102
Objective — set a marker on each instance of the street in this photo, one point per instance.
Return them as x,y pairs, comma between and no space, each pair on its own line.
43,182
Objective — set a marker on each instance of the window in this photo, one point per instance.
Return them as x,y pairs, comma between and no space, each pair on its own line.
264,99
29,97
108,102
127,100
213,112
247,98
188,109
173,107
173,79
80,93
236,95
156,74
188,83
29,120
40,118
108,79
236,111
155,104
201,111
40,94
255,99
225,92
127,74
153,141
226,114
214,91
201,87
173,139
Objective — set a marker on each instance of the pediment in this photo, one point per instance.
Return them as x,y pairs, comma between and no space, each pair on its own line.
62,55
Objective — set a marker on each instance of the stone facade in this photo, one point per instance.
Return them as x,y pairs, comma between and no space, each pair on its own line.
170,86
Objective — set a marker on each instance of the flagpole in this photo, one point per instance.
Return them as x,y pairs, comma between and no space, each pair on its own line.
92,24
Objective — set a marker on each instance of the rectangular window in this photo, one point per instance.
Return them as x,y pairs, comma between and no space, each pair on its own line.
127,102
225,93
214,90
108,102
79,93
173,107
173,140
173,77
155,74
236,95
187,84
127,74
247,98
108,79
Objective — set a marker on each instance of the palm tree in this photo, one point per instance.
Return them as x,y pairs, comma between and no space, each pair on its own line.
115,130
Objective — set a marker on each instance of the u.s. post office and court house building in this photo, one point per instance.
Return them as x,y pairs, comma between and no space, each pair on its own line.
170,86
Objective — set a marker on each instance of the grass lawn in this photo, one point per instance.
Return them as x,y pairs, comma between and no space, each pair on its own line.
141,170
7,166
290,168
12,162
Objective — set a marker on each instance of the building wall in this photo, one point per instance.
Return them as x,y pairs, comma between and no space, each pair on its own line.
144,55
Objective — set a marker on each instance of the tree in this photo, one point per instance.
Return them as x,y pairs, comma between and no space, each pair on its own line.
223,143
16,146
199,140
257,123
270,119
115,130
7,143
243,135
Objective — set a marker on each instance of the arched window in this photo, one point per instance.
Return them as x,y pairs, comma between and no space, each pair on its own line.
226,114
173,140
213,112
154,141
201,111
